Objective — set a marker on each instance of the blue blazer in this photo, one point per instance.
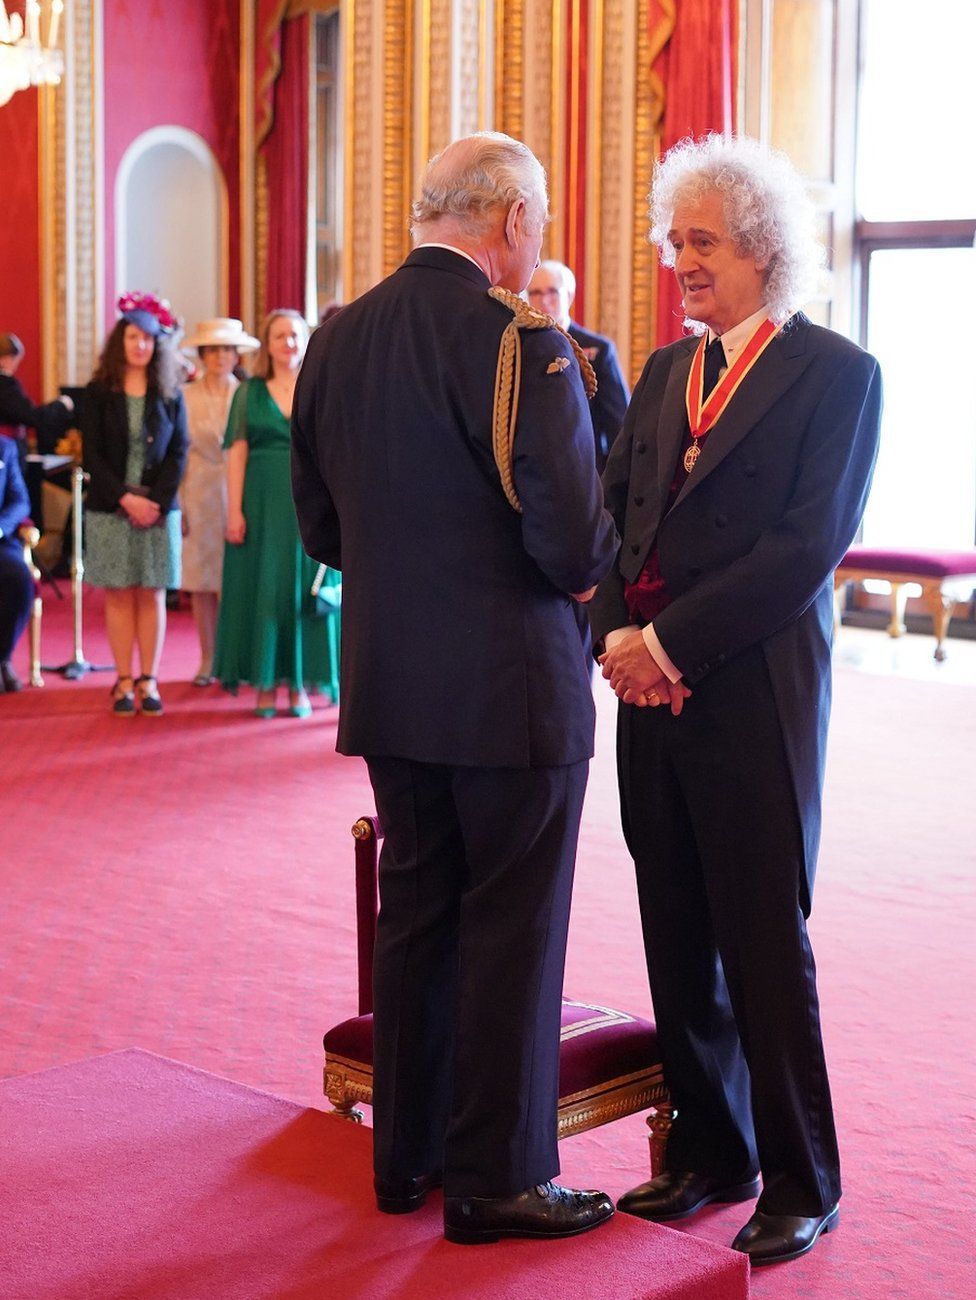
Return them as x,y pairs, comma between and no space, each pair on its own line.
14,501
459,641
748,550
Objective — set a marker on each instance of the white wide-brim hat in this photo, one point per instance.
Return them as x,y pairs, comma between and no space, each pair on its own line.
222,332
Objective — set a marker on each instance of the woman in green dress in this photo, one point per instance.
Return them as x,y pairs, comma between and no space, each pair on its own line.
268,634
133,428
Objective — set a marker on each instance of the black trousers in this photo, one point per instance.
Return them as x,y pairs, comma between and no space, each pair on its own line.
16,596
476,874
710,818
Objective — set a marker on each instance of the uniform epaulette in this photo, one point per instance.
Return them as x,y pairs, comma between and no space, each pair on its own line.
508,379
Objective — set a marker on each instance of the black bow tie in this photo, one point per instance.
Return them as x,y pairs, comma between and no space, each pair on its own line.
714,361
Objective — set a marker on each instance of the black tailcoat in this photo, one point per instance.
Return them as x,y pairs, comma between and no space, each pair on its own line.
721,805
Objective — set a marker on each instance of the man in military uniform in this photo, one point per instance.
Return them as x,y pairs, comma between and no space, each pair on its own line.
552,289
465,515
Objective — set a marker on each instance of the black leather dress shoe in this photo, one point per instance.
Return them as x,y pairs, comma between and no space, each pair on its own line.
11,682
404,1195
676,1196
547,1210
775,1238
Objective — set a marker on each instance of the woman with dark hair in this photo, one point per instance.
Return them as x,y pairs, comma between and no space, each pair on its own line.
267,633
134,433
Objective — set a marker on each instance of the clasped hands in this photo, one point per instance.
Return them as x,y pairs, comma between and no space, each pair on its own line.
142,511
632,671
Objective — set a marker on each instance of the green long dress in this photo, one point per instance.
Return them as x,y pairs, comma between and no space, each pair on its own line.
267,634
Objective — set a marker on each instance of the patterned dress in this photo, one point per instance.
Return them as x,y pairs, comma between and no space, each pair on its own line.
116,553
267,633
203,494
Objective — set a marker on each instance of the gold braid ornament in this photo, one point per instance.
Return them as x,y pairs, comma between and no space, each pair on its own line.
508,381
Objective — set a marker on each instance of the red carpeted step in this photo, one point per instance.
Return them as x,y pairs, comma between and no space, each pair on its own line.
130,1175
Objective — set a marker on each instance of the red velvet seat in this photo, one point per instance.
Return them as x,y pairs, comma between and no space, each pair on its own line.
608,1059
930,569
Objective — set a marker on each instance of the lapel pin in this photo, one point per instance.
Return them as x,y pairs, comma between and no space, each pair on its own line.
559,363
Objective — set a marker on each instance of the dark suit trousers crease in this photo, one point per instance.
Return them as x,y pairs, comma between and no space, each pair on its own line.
476,874
710,818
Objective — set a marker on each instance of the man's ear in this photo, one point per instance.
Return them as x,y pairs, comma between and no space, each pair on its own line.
515,221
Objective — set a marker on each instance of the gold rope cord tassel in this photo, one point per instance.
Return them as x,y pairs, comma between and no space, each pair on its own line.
508,381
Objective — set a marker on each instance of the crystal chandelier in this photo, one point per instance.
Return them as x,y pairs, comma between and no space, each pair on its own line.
26,59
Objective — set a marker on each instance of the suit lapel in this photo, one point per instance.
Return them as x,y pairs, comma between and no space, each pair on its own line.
779,367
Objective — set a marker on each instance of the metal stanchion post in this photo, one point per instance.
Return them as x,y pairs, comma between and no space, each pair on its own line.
77,665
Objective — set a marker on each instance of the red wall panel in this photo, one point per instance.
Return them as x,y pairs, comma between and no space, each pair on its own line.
172,64
20,254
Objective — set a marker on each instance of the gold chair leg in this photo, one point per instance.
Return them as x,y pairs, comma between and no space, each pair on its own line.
940,606
659,1122
347,1109
899,599
35,643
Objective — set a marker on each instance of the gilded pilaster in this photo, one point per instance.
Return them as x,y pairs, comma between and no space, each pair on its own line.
397,129
72,188
509,66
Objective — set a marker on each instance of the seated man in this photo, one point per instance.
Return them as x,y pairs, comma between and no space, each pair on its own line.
16,582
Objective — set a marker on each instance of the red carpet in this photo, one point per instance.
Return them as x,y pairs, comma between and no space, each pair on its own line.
133,1176
185,885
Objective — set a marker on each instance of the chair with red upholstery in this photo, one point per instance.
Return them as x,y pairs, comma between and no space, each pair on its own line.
940,574
608,1060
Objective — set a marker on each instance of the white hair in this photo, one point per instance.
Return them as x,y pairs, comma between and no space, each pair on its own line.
475,176
769,215
562,272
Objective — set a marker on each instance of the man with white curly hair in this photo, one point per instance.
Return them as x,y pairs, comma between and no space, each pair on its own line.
737,484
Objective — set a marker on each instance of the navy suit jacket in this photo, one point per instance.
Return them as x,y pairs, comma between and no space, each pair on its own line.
459,641
609,405
749,547
14,501
105,439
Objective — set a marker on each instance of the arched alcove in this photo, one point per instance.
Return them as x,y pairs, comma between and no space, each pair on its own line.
171,222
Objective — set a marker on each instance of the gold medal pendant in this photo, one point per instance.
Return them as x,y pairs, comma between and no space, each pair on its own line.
691,455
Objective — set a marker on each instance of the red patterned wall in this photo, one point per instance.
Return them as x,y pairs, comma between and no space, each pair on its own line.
20,302
172,63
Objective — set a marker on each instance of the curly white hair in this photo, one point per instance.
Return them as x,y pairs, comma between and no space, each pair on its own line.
766,206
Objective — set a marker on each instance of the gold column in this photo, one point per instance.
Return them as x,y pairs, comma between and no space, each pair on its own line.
397,132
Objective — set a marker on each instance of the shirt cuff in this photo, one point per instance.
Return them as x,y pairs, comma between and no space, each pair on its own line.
660,655
618,634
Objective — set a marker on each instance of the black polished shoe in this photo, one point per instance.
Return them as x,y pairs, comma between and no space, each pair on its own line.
11,682
547,1210
775,1238
676,1196
404,1195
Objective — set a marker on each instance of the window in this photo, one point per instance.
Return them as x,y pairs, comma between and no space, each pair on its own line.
916,199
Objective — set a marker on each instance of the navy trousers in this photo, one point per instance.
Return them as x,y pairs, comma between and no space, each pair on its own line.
711,821
476,873
16,596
